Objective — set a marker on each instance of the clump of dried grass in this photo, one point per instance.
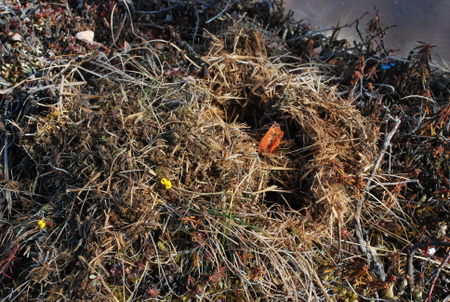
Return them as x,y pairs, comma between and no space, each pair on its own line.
336,145
116,233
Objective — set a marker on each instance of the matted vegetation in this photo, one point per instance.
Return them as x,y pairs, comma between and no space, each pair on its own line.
131,169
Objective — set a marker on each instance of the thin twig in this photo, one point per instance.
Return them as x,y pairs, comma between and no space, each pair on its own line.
371,255
395,183
411,253
219,14
197,22
386,143
433,283
154,12
6,193
334,28
359,31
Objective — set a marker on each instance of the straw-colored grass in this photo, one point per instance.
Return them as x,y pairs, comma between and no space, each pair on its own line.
116,233
235,224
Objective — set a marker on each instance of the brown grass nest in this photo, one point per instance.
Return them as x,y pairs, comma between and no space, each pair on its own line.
236,224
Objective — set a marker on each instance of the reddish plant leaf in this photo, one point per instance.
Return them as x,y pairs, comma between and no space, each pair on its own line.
271,139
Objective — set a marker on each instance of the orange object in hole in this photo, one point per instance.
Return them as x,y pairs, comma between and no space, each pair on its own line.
271,139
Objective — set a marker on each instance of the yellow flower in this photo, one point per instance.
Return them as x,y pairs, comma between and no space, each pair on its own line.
41,223
166,183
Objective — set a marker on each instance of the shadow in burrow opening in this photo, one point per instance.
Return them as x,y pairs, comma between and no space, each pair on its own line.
292,180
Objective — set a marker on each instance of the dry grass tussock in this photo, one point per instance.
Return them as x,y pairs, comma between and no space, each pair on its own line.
235,225
328,146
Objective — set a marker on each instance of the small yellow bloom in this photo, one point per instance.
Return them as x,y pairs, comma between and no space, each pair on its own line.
41,223
166,183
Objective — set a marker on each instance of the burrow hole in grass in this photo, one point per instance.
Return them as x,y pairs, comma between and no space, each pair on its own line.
294,185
